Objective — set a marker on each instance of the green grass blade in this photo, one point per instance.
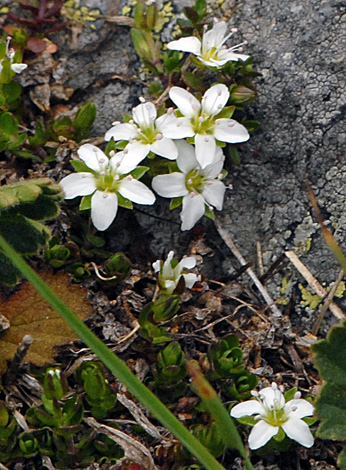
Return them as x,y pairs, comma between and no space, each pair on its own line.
215,407
115,365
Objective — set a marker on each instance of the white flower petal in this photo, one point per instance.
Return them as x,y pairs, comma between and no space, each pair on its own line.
205,149
125,131
165,148
247,408
18,68
226,55
301,408
121,165
273,397
190,280
172,185
299,431
190,44
78,184
136,191
177,128
93,157
229,130
213,193
104,208
157,265
187,158
261,433
215,99
193,210
187,263
215,36
144,114
213,170
188,105
135,152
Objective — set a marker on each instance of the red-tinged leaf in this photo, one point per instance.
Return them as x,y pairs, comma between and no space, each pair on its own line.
36,45
29,314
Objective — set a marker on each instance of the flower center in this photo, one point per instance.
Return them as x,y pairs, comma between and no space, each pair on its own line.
194,181
203,123
148,135
211,53
274,415
108,180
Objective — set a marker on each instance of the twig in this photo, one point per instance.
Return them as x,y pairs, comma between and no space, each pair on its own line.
313,282
12,370
122,20
327,303
263,291
259,258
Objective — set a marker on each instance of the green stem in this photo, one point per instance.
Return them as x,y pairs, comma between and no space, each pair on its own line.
115,365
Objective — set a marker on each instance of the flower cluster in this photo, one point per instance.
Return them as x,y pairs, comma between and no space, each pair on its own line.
272,413
196,181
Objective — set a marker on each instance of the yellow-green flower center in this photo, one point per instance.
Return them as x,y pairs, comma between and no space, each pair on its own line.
108,180
194,181
208,54
203,124
148,135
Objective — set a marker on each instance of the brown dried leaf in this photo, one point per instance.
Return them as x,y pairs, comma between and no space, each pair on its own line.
29,314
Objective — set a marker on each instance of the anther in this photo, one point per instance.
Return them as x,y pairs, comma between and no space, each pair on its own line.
116,123
142,99
105,195
116,177
159,136
297,395
111,153
189,181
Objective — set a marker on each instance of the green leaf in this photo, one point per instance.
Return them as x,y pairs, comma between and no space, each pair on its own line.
8,124
209,213
201,8
80,166
138,172
176,202
11,91
85,116
40,135
234,155
194,81
85,203
342,459
96,241
123,202
13,227
331,405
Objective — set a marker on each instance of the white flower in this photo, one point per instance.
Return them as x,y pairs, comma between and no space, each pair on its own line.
211,51
273,413
170,272
10,53
144,135
106,178
199,187
203,120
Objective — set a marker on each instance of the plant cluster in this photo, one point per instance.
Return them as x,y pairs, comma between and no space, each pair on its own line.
56,428
178,140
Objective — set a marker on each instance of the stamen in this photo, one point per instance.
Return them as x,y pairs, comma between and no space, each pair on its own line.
142,99
189,181
206,139
294,408
297,395
126,151
231,124
111,153
116,177
201,119
105,195
170,111
116,123
130,177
